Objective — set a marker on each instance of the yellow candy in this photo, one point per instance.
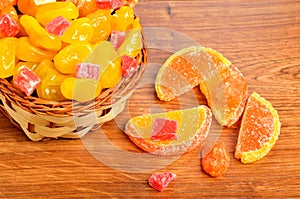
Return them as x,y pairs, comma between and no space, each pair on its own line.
80,89
67,59
80,29
21,65
28,52
104,55
8,56
38,35
122,18
112,75
132,44
47,12
49,87
101,22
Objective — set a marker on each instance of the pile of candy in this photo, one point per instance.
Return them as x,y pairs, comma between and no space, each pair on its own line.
68,50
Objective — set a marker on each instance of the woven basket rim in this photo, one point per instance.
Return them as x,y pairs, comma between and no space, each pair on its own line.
104,101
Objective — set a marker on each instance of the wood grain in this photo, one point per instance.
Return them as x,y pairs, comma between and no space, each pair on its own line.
262,38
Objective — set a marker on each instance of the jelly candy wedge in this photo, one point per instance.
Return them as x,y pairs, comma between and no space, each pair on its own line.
164,129
193,128
160,181
215,159
223,84
226,90
259,130
26,81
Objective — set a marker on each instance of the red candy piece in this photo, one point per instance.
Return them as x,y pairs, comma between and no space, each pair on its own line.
129,66
8,26
87,70
117,38
161,181
58,26
164,129
109,4
26,81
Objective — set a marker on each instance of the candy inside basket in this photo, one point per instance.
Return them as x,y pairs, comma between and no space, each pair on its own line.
68,66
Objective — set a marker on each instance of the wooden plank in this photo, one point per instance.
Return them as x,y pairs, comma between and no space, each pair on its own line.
261,38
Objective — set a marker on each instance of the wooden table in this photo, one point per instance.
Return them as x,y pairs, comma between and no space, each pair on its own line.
261,38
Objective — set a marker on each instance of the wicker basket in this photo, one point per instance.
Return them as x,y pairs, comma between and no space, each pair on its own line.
42,119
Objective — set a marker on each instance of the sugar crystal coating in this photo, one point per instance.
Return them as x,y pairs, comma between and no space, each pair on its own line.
193,128
259,130
222,84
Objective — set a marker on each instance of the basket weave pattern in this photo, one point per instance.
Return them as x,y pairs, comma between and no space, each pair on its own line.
41,119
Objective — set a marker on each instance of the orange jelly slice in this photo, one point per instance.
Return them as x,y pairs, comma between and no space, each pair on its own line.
193,128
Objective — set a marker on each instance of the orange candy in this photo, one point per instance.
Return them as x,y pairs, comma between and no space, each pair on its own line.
193,127
259,130
215,160
27,7
223,84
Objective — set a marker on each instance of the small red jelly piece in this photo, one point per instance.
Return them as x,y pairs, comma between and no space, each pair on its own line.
26,81
129,66
109,4
164,129
8,26
161,180
117,38
58,26
87,70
